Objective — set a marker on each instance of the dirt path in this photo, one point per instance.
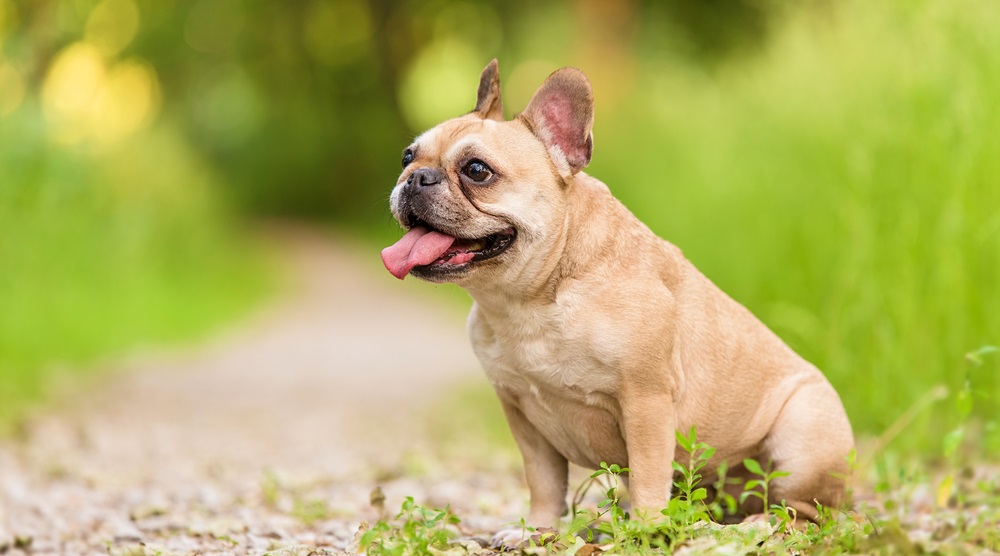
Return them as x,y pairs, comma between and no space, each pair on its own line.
267,438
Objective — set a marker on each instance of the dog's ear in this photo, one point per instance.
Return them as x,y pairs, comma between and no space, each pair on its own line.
561,115
488,103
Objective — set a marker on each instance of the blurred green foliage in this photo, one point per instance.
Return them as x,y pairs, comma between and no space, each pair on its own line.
832,165
114,231
845,186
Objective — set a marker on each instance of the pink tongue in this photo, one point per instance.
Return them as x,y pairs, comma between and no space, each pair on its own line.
419,246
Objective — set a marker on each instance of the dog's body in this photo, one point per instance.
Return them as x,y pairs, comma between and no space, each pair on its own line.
600,338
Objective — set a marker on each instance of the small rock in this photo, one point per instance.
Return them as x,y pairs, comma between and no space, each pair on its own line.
130,550
126,532
147,511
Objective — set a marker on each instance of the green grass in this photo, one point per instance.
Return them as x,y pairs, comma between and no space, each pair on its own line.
108,249
915,511
912,515
844,187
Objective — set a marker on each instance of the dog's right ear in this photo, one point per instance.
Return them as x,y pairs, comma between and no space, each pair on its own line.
488,103
561,115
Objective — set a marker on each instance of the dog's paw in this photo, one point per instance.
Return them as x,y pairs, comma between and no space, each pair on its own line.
517,537
511,538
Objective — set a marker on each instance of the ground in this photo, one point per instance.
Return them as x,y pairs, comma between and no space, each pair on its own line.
269,437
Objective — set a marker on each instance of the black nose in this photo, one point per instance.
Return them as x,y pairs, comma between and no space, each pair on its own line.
424,176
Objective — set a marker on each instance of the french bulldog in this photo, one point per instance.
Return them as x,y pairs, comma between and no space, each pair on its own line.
600,339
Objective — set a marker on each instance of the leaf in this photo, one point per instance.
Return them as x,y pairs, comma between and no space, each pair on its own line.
707,453
699,494
944,490
952,441
752,484
598,473
615,468
976,357
753,466
963,402
684,441
678,467
777,474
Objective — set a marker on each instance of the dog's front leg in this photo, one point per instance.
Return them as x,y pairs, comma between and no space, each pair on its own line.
649,422
547,474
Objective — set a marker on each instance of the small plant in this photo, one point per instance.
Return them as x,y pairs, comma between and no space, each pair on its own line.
611,519
270,489
687,506
610,506
784,516
963,408
422,531
724,503
764,482
310,511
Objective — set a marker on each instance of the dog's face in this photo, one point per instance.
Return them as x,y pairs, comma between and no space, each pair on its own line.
483,199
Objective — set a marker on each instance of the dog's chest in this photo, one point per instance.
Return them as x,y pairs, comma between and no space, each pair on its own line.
560,376
542,347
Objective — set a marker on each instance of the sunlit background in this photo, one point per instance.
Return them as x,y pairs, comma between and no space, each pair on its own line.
835,166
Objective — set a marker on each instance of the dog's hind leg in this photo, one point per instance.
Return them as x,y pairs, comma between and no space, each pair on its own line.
811,440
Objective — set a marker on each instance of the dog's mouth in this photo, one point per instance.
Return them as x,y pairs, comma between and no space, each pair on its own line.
427,249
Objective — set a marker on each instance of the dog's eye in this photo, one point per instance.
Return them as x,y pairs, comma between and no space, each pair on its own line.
477,171
407,158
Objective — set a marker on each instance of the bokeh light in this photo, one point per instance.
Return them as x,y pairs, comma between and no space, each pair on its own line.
85,98
112,25
436,86
127,100
71,88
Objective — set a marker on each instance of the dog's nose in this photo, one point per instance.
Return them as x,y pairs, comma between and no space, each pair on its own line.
425,176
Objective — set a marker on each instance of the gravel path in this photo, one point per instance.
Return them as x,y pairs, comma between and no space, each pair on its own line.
267,439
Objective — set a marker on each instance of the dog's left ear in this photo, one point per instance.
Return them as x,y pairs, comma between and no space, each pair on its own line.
488,103
561,114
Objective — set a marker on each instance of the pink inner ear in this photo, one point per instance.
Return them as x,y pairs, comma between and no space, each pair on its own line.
565,132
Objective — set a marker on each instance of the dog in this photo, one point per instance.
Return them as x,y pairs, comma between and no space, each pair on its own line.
600,339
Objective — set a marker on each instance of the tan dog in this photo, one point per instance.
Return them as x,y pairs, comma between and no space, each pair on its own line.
599,337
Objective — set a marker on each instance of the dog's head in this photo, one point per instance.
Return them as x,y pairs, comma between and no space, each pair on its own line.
483,199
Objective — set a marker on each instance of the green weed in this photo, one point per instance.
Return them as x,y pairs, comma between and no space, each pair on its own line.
421,531
963,523
764,482
687,506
